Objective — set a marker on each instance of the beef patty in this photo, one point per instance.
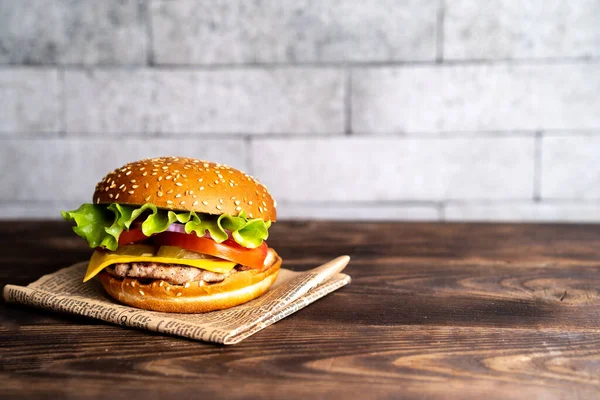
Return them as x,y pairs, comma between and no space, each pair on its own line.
172,273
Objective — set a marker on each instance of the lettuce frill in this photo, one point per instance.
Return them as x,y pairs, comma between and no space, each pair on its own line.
102,225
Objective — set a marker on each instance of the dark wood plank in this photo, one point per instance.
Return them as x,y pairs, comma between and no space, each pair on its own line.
434,311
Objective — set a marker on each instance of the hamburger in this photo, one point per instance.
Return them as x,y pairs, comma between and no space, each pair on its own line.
178,234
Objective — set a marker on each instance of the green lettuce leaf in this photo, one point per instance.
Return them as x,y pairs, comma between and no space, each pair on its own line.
102,225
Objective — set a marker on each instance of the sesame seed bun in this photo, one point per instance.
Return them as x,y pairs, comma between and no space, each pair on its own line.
158,295
187,184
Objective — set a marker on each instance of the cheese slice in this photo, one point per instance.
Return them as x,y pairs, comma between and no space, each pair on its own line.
103,259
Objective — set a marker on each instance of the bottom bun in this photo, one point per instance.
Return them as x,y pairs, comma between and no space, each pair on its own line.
193,297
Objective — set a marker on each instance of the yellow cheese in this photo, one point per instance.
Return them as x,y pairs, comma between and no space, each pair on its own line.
103,259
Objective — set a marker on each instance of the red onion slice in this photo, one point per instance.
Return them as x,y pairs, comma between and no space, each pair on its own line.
176,227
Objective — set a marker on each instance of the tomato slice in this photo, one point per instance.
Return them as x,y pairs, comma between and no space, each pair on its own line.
131,236
228,250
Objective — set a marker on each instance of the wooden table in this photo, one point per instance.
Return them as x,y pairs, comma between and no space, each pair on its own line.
434,311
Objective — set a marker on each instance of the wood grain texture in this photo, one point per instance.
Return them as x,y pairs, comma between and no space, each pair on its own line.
468,311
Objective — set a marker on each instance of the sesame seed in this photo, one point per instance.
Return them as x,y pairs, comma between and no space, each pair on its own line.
110,195
187,285
191,192
117,196
106,189
238,208
132,283
205,165
178,184
122,186
159,178
195,203
128,172
201,187
216,181
143,168
161,283
232,197
219,207
154,173
260,209
132,181
168,288
135,186
178,195
146,185
169,191
178,294
237,202
182,202
250,202
147,198
200,180
145,173
184,175
130,192
264,204
230,184
98,200
159,194
205,202
168,177
221,201
250,215
141,292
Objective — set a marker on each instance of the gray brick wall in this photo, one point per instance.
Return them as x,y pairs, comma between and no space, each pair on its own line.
346,109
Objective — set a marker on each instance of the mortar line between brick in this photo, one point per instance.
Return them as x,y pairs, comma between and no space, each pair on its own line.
348,103
149,35
445,135
316,65
439,49
249,158
62,132
441,210
537,167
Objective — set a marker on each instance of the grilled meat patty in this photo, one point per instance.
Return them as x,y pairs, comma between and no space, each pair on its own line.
172,273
